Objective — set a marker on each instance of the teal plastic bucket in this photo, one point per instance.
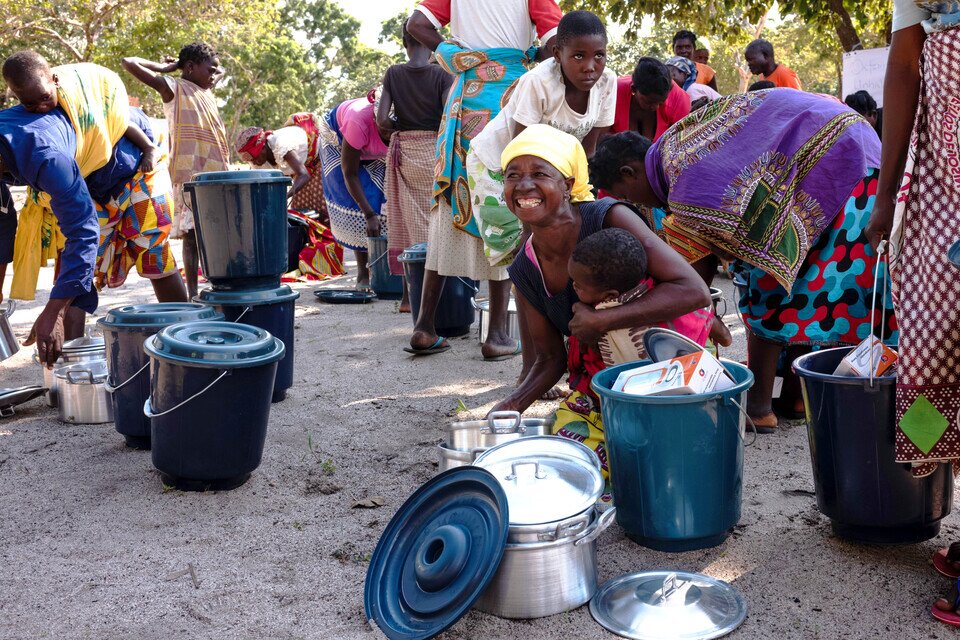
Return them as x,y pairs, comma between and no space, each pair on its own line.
676,462
386,286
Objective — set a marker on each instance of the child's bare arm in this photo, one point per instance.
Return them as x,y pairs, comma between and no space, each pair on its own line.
148,160
149,73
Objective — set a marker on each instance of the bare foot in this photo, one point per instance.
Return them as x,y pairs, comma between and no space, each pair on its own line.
720,334
554,394
404,308
500,350
766,423
424,340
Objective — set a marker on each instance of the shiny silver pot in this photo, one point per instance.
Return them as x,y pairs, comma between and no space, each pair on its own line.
464,441
82,393
8,340
539,579
50,375
483,311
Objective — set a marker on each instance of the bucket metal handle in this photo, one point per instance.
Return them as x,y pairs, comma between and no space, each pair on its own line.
539,475
11,306
148,406
881,250
749,422
245,311
112,389
379,258
604,521
504,415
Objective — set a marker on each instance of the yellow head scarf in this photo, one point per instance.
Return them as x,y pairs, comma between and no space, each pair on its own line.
560,149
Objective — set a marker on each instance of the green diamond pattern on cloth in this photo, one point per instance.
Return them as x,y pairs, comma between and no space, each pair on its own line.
923,424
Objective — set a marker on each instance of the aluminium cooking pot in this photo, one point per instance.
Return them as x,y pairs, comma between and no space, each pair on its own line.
538,579
82,392
483,311
464,441
8,340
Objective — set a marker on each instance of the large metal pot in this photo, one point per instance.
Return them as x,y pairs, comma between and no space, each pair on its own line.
483,311
83,394
464,441
538,579
79,350
8,340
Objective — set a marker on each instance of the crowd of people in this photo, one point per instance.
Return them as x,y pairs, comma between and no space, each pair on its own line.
605,203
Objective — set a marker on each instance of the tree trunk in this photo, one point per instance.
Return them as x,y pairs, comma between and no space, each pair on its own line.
846,32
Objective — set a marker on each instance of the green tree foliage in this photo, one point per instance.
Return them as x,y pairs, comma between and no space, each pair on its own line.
849,22
816,59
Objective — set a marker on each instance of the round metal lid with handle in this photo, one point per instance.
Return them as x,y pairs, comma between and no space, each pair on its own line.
437,555
84,344
668,605
546,478
157,315
222,345
92,372
664,344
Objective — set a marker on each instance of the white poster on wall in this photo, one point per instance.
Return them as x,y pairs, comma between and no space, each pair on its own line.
864,70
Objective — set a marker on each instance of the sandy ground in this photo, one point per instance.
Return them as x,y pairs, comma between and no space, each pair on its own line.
92,546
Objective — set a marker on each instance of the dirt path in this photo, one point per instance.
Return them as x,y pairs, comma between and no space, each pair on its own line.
92,546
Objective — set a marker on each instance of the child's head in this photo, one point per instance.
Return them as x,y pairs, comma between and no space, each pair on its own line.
32,81
411,44
607,264
581,49
761,85
199,63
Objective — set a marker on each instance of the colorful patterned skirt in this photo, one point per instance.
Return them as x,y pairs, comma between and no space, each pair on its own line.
831,301
925,283
347,222
134,227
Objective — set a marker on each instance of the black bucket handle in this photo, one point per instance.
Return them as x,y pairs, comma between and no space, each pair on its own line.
148,405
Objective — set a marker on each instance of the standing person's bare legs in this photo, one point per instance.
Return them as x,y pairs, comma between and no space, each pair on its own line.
191,261
169,288
762,357
405,299
499,343
363,273
425,331
74,321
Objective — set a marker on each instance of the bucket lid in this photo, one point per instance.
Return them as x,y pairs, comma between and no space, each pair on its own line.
250,176
662,605
157,315
247,297
415,253
437,555
224,345
83,344
92,372
546,478
664,344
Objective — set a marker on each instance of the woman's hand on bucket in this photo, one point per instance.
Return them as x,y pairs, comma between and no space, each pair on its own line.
881,221
373,224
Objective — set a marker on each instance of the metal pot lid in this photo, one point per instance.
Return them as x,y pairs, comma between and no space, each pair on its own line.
668,605
250,176
224,345
437,555
344,296
546,478
416,253
157,315
664,344
248,298
19,395
83,344
91,372
496,422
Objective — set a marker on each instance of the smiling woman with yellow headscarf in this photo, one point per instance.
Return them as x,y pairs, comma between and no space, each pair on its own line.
546,187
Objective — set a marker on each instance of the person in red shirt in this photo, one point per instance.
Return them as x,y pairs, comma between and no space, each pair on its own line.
762,62
649,102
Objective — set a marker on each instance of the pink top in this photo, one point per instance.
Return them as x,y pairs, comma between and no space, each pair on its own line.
358,126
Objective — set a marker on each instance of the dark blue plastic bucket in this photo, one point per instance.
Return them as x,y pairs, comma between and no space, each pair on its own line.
241,221
676,462
209,404
455,312
851,430
124,330
272,309
386,286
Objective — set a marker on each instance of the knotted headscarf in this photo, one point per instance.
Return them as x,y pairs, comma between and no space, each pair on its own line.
687,66
560,149
251,142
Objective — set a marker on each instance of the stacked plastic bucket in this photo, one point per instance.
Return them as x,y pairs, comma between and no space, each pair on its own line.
241,224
